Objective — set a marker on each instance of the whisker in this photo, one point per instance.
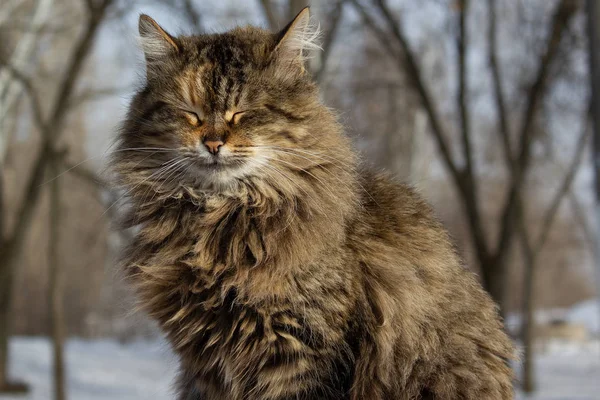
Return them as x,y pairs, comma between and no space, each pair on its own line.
315,154
291,151
165,178
325,186
164,171
158,172
294,183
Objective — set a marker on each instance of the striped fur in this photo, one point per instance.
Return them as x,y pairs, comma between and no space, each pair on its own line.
281,269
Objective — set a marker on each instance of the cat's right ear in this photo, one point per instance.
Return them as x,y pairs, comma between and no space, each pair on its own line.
298,37
156,43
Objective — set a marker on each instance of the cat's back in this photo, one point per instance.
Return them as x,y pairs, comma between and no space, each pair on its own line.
405,248
425,304
394,214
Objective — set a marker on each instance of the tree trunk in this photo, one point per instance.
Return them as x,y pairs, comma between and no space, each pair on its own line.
6,279
527,329
493,274
9,256
56,283
528,310
593,10
5,294
3,288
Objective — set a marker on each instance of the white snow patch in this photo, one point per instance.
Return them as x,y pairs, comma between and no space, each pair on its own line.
96,370
568,371
587,313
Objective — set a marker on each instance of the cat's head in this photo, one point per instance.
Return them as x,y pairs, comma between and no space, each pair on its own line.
222,110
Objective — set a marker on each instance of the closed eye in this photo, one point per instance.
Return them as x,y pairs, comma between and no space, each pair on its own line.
235,117
192,117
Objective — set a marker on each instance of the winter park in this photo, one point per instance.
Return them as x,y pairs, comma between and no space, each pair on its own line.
293,199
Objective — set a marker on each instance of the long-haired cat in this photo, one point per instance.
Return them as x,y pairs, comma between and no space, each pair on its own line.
278,267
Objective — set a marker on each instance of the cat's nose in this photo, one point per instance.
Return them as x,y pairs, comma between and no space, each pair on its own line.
213,145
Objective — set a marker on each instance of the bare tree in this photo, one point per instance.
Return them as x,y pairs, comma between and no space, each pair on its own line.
19,58
492,260
593,14
531,251
56,283
51,128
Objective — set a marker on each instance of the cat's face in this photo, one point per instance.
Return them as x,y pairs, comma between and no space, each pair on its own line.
224,108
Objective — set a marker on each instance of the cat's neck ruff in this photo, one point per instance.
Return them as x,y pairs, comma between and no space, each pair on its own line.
254,226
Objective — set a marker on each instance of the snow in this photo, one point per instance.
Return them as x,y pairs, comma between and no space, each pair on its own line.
96,370
588,314
567,371
103,369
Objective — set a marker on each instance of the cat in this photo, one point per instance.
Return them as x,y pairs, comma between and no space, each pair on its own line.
276,264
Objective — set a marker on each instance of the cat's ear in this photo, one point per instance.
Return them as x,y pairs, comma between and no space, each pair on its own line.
156,43
296,39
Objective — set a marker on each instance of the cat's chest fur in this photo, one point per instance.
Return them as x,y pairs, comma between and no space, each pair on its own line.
236,342
234,310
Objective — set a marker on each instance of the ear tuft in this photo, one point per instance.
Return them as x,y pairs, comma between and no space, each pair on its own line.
155,41
297,38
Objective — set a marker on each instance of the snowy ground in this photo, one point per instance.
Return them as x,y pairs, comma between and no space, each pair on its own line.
105,369
568,371
97,370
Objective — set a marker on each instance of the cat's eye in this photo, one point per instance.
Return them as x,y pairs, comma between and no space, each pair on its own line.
234,118
192,117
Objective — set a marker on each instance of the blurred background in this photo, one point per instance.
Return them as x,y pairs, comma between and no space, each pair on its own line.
484,106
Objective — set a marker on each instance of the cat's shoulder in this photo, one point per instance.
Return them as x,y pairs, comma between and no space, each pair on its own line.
383,194
394,212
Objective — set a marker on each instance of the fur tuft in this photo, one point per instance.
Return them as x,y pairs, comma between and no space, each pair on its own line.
156,43
300,38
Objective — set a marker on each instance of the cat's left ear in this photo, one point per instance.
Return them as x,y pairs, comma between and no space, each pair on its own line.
296,39
157,44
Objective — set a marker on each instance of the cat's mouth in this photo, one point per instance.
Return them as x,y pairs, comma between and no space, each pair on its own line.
219,164
219,174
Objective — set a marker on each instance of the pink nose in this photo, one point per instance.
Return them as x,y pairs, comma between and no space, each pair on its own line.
213,145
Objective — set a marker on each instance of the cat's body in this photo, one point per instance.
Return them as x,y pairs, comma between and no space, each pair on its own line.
300,276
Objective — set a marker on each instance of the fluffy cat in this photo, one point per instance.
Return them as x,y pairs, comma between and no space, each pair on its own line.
277,267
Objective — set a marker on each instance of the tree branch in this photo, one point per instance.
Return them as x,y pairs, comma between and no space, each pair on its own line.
94,94
463,89
192,14
36,105
85,175
565,11
497,82
414,72
7,10
563,189
531,254
407,62
51,133
583,222
270,13
74,67
333,18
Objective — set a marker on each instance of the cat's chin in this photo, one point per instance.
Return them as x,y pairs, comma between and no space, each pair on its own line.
219,178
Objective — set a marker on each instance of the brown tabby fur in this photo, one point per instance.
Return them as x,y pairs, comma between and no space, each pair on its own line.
279,269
